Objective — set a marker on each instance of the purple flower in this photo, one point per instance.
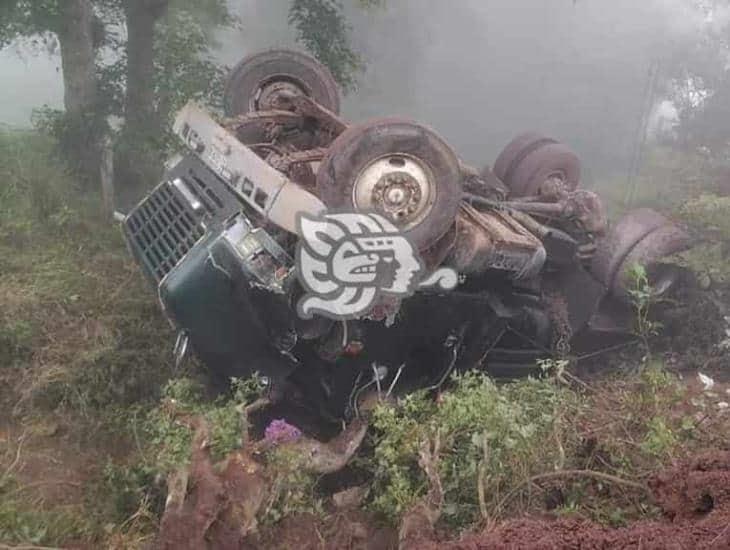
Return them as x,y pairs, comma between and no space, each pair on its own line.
280,431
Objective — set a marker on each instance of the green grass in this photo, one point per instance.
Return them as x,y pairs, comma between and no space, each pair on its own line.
79,320
82,340
27,523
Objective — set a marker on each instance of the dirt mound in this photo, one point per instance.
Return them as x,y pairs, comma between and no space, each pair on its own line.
695,497
217,505
349,529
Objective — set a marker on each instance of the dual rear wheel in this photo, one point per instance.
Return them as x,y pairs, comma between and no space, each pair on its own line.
531,159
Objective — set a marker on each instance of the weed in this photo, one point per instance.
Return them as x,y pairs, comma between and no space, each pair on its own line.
643,298
505,446
292,489
709,216
170,434
491,435
660,439
16,341
29,524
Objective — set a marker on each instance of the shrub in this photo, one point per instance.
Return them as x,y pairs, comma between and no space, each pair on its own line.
490,435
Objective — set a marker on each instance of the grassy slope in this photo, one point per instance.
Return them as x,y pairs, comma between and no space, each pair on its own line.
84,353
81,340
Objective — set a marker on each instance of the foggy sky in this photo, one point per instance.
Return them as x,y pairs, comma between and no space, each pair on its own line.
478,71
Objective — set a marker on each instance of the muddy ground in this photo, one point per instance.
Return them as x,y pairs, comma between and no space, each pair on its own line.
694,496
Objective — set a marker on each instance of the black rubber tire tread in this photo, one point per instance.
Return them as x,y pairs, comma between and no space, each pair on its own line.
652,248
359,145
248,74
537,166
613,249
514,151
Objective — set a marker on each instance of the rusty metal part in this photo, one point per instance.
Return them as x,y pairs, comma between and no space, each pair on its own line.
285,161
554,189
303,174
262,118
434,255
494,240
484,184
289,111
291,137
586,208
307,107
267,97
561,248
582,207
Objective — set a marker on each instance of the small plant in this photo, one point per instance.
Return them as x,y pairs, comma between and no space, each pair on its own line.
660,439
170,429
643,298
555,368
292,489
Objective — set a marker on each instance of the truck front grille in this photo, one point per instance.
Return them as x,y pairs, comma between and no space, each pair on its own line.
162,230
176,215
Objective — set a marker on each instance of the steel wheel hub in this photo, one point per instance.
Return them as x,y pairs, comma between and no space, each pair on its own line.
268,92
398,186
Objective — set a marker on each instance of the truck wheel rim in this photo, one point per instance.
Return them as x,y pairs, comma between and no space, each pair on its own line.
400,187
269,90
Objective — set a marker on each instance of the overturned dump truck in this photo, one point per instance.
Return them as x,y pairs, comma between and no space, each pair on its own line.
539,271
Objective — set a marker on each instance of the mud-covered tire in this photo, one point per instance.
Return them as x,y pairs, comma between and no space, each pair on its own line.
643,237
550,160
359,147
515,151
252,73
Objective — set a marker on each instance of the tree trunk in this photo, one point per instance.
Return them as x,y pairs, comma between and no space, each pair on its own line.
137,164
140,114
76,38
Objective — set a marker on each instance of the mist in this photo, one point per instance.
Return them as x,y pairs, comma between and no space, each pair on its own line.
480,72
477,71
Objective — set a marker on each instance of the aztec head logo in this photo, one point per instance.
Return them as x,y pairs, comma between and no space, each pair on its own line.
347,261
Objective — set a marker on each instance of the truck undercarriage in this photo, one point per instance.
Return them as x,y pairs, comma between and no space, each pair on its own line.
541,272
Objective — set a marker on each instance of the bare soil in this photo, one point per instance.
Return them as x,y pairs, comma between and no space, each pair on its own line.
695,497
